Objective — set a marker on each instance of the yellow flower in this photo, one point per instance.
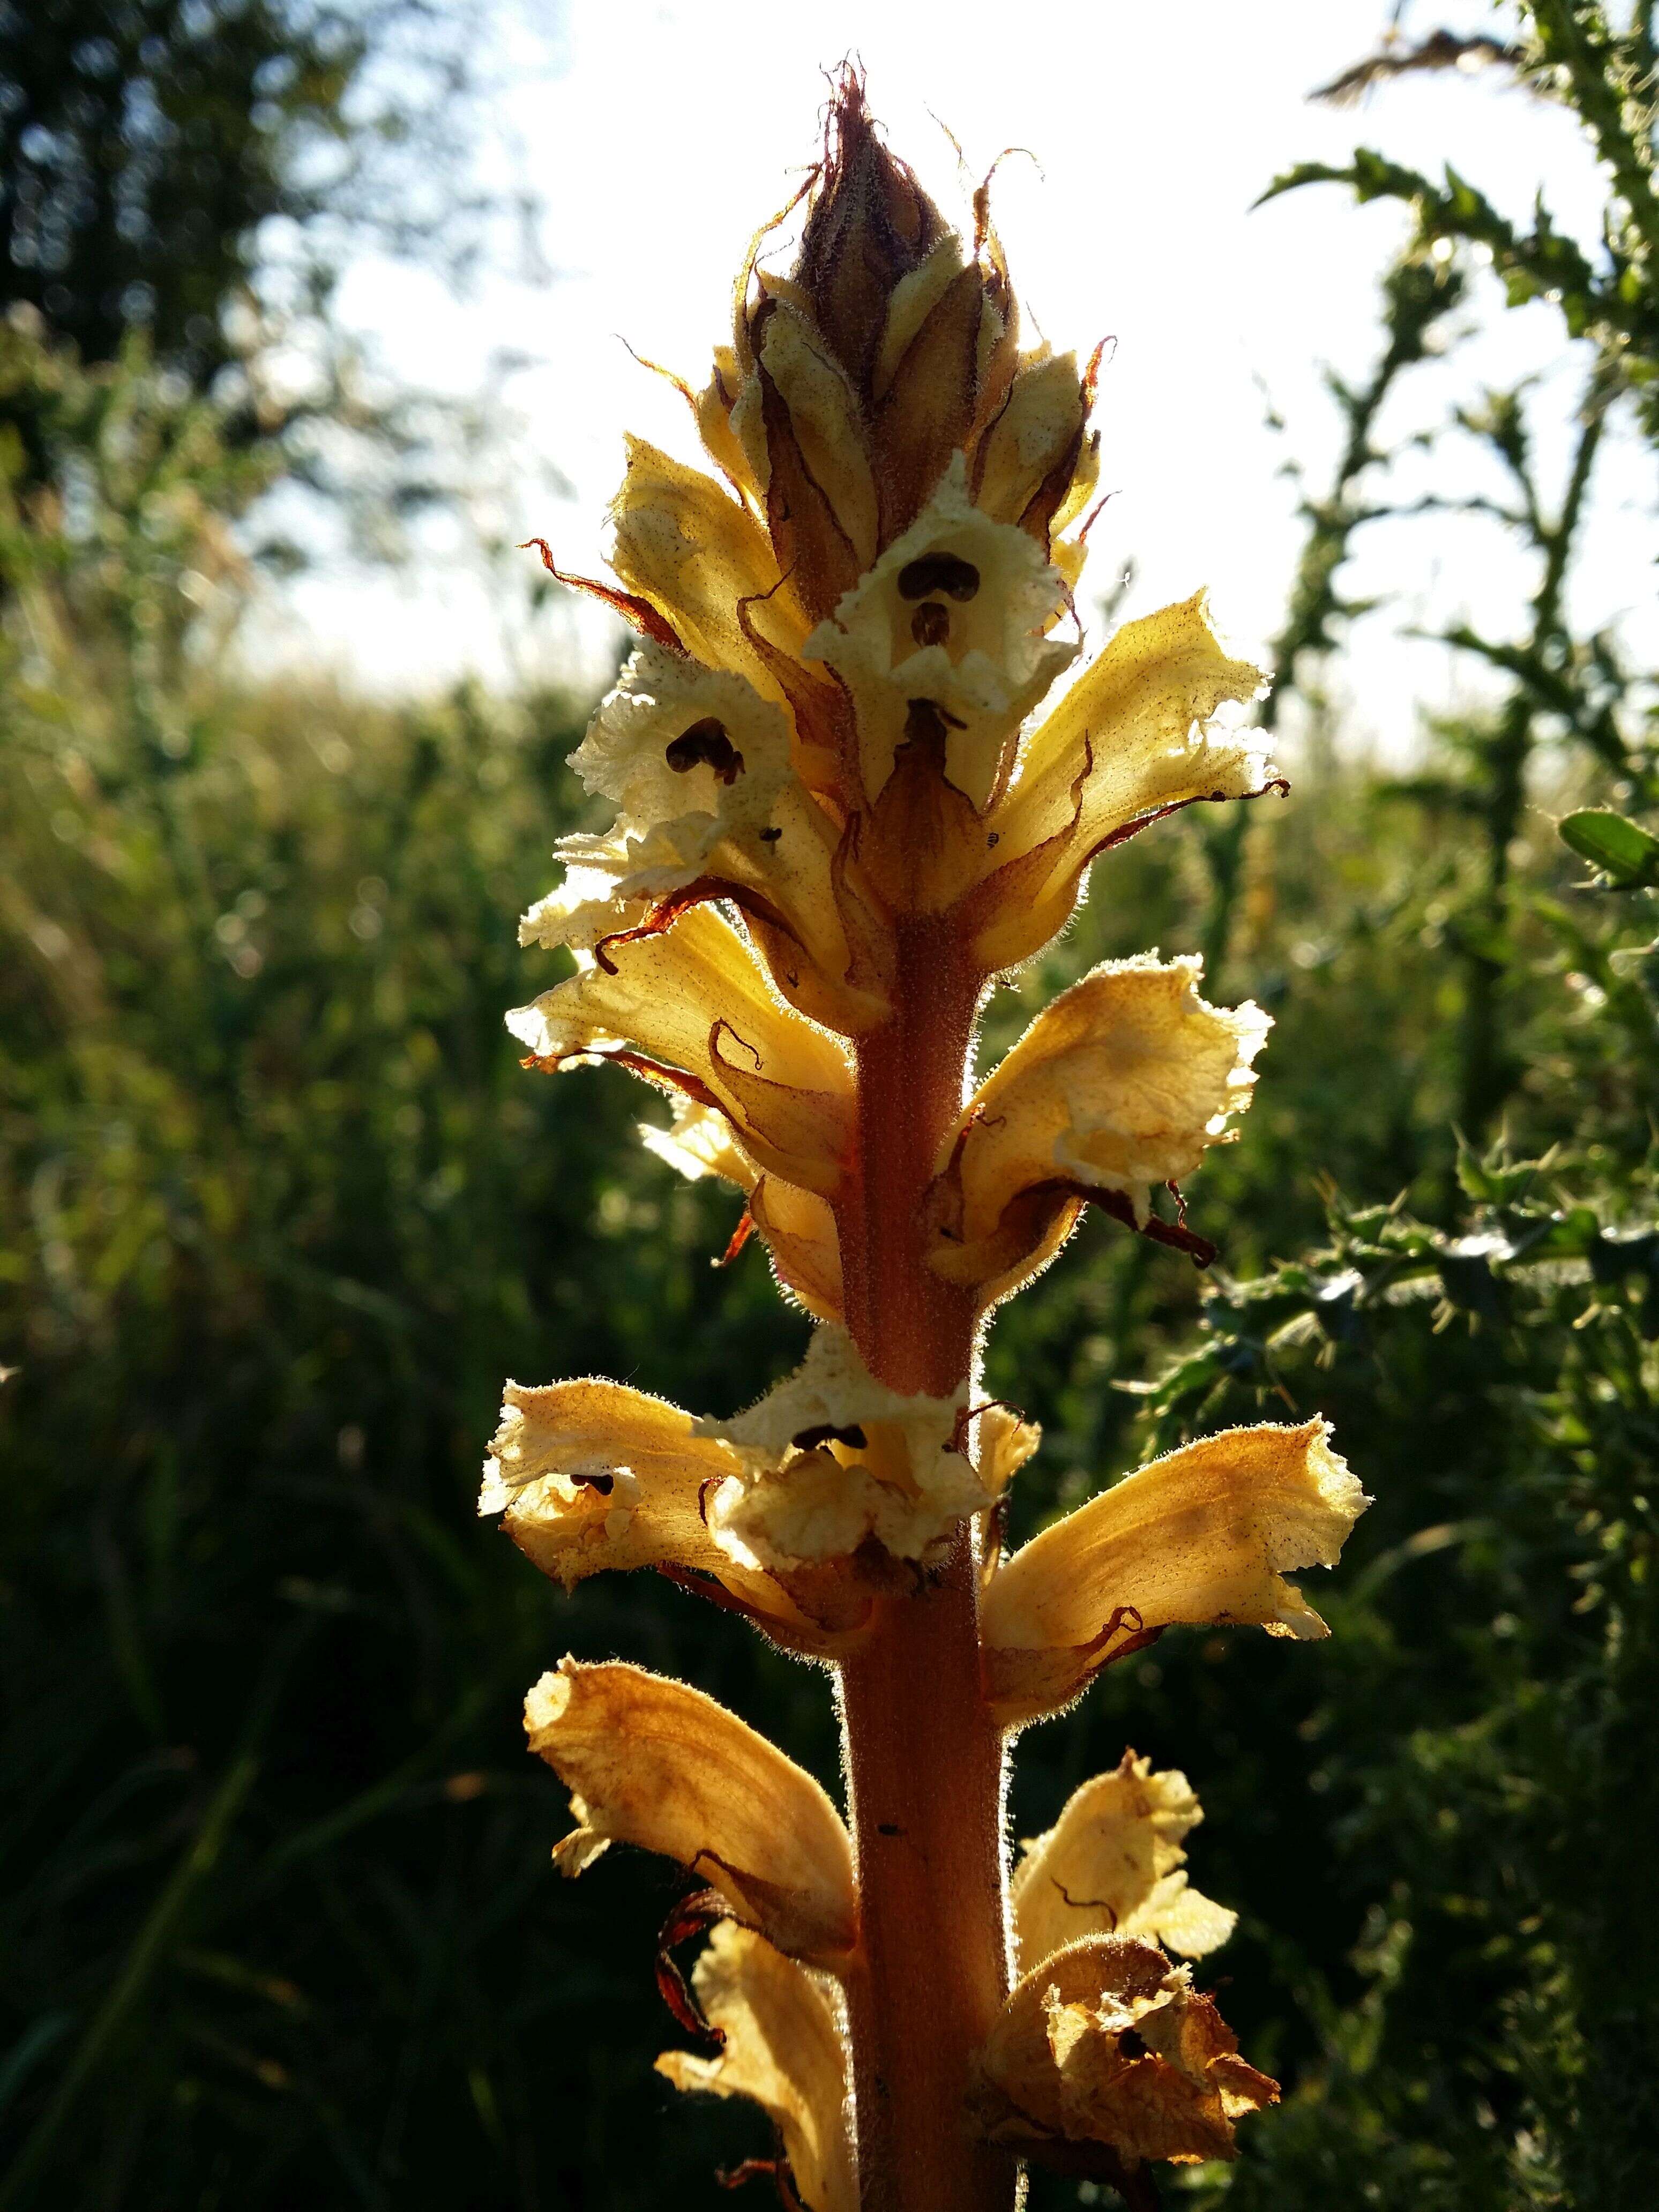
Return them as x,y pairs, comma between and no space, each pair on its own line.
699,763
1130,741
1121,1084
692,1010
829,1491
1112,1865
783,2047
1205,1534
954,613
654,1763
1105,2045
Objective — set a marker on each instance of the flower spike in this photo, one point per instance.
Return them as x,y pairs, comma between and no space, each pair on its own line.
859,769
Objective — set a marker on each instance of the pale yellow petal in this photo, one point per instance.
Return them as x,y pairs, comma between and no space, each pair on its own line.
1113,1865
783,2048
834,1457
1128,740
677,737
655,1763
1105,2043
800,1233
1205,1534
825,416
1120,1086
699,1142
694,551
954,614
702,768
695,1000
1031,437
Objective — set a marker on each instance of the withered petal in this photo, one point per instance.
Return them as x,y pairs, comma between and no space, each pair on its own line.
1113,1865
655,1763
782,2048
1206,1533
1106,2043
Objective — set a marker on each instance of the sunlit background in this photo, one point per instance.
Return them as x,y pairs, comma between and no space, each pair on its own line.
653,138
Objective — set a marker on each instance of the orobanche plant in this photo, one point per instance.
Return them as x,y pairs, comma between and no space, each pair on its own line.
840,820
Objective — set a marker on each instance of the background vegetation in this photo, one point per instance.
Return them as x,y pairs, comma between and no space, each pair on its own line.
279,1209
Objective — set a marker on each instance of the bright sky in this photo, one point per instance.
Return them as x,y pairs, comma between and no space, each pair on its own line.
658,132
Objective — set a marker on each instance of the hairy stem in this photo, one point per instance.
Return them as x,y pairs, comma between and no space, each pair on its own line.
924,1757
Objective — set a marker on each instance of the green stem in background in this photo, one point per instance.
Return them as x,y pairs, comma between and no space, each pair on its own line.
1490,1070
923,1755
1417,294
147,1952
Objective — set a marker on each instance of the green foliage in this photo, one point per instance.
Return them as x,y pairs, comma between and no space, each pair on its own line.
144,142
1627,854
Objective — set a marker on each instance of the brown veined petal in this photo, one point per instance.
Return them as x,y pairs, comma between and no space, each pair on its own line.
954,615
1207,1534
827,421
655,1763
1112,1865
783,2048
692,1008
1107,2044
1040,427
1127,743
927,413
694,551
911,302
1120,1086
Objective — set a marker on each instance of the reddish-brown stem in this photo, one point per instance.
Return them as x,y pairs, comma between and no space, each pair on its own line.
924,1757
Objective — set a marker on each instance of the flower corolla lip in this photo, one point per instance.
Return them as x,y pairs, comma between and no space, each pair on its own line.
1120,1084
1206,1535
782,2046
655,1763
956,613
832,1458
1112,1864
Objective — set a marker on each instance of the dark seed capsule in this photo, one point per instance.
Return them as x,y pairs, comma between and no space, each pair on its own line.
827,1433
939,571
706,744
931,623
